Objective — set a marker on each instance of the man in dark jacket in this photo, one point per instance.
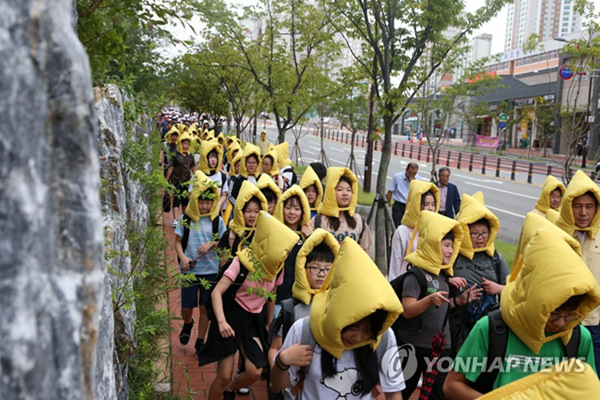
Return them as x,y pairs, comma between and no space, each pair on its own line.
449,196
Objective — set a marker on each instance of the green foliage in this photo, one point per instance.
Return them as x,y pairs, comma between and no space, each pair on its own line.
507,250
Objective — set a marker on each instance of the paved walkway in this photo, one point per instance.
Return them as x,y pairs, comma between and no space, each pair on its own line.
189,381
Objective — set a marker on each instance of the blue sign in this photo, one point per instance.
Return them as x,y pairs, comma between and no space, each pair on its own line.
501,125
565,72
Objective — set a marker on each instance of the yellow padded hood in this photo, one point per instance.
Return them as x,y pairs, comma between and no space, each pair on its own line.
200,183
265,181
551,184
413,202
547,275
432,228
329,206
301,289
182,128
172,131
534,222
238,157
356,289
274,169
249,150
233,146
247,191
294,190
309,177
570,379
269,248
472,209
552,216
206,147
182,137
221,139
283,154
579,185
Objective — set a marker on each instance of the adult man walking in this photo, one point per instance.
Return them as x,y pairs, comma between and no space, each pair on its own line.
449,196
580,217
399,189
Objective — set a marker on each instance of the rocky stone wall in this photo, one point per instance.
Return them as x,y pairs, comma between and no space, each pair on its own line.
52,286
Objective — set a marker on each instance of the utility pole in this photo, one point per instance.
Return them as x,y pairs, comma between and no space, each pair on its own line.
370,134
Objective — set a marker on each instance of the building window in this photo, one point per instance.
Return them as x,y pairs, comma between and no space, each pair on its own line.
519,62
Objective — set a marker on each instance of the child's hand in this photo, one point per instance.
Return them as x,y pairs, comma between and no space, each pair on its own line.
226,330
297,354
306,230
471,294
438,298
458,283
205,248
492,287
186,263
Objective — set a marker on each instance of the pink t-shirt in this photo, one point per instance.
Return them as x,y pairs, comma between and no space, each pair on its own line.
250,302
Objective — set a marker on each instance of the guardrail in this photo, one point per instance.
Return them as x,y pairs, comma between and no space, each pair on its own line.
455,158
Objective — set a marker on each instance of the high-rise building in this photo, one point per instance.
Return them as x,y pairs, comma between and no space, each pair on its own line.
481,46
547,18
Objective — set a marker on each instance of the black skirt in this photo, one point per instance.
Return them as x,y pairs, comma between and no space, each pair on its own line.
246,326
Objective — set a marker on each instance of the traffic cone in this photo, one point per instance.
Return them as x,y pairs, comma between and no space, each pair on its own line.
411,138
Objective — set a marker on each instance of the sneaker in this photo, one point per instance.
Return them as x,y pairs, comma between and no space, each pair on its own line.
184,335
174,224
227,395
244,391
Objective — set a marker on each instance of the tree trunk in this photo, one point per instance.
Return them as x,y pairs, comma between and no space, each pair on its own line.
281,135
380,225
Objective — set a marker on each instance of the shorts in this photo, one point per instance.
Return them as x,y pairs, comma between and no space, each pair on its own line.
179,198
194,294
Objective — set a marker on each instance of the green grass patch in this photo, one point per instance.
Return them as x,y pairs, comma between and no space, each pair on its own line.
299,169
507,250
365,198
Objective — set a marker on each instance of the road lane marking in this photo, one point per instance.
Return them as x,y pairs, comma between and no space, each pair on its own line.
503,191
480,180
506,212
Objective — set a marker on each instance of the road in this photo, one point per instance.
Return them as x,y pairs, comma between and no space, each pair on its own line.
508,200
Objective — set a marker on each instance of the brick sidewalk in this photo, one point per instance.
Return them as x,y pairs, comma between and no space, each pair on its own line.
189,381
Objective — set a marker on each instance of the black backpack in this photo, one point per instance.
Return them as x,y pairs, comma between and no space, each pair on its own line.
498,341
294,176
397,285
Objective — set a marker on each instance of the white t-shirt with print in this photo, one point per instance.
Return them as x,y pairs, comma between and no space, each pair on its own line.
344,384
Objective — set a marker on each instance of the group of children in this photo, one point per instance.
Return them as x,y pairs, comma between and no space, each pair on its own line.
289,284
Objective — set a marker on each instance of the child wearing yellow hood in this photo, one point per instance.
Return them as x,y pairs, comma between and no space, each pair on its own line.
181,168
347,329
337,214
210,161
236,323
199,257
549,293
551,196
426,314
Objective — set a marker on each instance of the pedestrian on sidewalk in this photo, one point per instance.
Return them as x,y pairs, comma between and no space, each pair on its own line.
398,191
199,261
449,195
179,173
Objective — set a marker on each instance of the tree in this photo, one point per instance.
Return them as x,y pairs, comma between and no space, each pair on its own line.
289,59
398,33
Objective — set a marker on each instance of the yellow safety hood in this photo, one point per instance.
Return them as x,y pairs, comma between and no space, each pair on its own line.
248,151
534,222
413,202
269,248
172,131
432,228
579,185
206,147
232,147
309,177
472,209
265,181
301,290
283,154
294,190
182,137
247,191
238,157
356,289
551,184
547,275
274,169
329,206
570,379
201,183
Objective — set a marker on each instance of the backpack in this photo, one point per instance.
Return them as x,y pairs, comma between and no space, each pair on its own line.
187,220
294,176
498,342
318,221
